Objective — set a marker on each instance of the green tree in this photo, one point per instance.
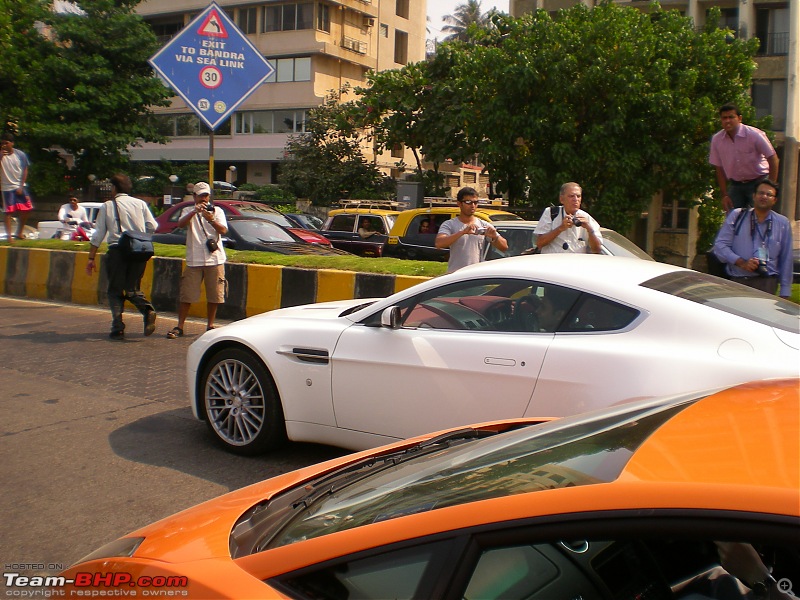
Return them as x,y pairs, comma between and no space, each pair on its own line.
457,26
326,164
619,100
411,108
79,83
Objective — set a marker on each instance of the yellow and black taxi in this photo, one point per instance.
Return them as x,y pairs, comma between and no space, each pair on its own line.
362,230
415,230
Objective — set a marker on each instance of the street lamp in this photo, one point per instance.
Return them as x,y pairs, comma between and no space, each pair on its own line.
173,179
231,175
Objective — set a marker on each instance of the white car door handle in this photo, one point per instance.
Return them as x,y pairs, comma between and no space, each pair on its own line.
502,362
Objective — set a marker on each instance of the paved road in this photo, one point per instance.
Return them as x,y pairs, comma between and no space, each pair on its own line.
96,437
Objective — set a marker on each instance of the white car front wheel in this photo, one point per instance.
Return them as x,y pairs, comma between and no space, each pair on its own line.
241,404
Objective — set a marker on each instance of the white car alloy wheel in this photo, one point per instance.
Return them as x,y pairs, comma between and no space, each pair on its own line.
240,403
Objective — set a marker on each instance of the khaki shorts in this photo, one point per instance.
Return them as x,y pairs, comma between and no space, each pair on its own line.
216,285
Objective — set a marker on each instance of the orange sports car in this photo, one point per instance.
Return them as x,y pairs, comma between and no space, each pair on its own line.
695,496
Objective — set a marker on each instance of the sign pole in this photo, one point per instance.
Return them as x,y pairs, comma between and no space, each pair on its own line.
211,158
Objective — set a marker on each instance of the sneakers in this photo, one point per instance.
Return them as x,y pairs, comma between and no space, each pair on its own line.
149,322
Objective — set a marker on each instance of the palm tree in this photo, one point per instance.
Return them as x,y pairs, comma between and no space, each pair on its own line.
463,16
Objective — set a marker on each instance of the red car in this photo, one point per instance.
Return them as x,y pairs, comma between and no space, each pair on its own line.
168,220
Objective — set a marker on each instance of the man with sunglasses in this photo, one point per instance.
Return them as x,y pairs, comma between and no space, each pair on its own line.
466,235
568,228
756,244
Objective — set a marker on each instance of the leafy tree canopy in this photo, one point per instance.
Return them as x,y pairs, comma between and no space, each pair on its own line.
619,100
77,82
466,16
622,101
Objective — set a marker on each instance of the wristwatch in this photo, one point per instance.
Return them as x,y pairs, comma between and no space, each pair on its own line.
761,588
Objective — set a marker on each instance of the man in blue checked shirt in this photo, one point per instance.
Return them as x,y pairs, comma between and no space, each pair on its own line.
756,244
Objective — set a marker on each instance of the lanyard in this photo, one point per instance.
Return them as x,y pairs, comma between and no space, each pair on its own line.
754,228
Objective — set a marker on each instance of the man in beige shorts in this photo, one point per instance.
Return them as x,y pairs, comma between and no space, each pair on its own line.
205,257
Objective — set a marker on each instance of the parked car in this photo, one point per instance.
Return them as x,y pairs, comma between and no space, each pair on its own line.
305,220
28,232
249,233
52,229
522,240
409,238
634,501
528,336
224,186
168,220
343,224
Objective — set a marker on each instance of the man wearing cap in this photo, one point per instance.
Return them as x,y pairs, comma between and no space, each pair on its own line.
743,158
205,258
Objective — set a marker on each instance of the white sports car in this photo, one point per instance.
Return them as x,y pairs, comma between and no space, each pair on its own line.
532,336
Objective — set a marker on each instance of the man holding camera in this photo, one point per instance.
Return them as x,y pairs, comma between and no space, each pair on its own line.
568,228
466,235
756,244
205,258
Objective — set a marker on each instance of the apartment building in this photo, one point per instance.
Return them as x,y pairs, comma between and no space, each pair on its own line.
776,23
315,47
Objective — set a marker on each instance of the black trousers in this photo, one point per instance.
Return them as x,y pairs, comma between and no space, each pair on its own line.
124,281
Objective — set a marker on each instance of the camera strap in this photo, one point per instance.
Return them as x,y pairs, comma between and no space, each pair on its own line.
203,226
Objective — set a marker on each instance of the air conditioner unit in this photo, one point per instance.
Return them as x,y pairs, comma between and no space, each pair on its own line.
369,22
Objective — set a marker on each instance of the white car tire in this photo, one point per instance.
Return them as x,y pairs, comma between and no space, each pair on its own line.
241,403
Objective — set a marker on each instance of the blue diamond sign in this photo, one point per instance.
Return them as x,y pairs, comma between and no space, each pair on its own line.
212,65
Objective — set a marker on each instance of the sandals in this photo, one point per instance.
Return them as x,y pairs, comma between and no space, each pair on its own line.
210,328
175,332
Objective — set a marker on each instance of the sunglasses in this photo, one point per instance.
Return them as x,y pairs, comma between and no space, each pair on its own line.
469,202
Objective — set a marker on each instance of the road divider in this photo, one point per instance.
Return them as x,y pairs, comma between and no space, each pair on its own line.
60,275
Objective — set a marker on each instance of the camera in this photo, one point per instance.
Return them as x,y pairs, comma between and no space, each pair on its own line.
480,231
212,245
577,222
209,205
762,268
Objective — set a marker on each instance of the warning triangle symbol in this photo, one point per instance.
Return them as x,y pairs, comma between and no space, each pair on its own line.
212,26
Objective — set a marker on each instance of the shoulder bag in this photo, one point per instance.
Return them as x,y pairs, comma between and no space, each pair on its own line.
135,246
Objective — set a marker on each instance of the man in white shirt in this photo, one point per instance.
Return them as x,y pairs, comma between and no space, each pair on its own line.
71,215
205,258
568,228
124,213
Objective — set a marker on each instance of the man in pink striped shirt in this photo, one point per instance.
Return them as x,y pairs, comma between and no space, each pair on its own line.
743,157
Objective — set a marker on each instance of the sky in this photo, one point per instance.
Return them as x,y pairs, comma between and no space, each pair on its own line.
438,8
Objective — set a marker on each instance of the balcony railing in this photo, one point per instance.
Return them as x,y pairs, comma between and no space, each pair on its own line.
354,45
774,44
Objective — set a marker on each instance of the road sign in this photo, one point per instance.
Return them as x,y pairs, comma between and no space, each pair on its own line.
212,65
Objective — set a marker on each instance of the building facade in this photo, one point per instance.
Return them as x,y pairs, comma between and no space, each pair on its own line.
315,47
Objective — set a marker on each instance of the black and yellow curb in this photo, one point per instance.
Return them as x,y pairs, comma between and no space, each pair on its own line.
252,289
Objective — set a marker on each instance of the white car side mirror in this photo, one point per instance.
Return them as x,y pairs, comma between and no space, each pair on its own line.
390,317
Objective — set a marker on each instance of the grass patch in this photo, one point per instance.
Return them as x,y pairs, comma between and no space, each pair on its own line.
387,266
